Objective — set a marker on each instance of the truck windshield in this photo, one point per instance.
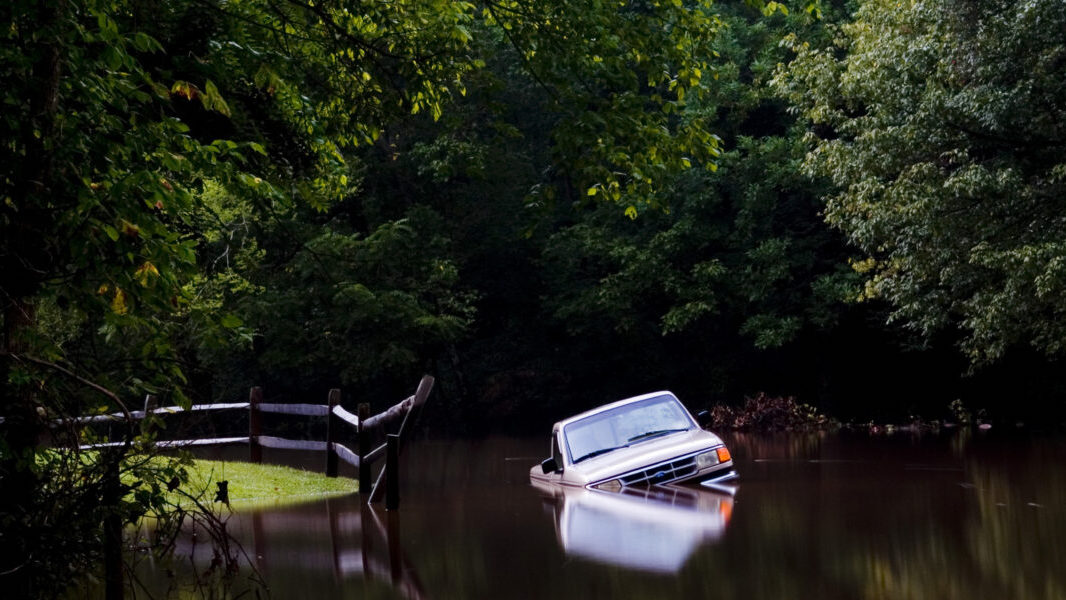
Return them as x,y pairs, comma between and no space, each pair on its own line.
625,425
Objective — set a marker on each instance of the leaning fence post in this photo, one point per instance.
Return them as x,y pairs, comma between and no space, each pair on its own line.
150,404
364,449
425,386
392,471
332,426
255,425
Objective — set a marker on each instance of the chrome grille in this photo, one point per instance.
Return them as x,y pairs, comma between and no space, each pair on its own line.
663,472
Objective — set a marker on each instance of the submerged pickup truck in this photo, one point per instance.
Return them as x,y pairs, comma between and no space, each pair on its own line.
637,442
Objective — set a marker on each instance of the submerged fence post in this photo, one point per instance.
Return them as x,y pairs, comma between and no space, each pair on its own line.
331,433
392,472
255,425
364,449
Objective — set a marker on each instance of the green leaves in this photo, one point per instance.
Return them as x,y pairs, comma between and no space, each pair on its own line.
772,7
212,99
618,76
353,306
943,153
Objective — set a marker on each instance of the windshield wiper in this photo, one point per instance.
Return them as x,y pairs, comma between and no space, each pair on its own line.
656,433
599,452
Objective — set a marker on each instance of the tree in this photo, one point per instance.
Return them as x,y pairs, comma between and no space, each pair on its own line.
942,129
327,303
114,127
134,129
618,77
740,269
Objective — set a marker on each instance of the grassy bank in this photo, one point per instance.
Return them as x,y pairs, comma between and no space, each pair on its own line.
252,485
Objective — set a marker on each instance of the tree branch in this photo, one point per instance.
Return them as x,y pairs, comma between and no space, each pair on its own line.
95,386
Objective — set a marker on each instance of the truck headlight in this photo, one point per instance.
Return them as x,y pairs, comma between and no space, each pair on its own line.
707,459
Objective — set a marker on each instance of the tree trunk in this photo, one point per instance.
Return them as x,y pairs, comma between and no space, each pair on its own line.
20,432
24,264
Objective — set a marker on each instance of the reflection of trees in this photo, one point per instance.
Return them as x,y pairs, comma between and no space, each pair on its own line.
989,526
754,446
1011,546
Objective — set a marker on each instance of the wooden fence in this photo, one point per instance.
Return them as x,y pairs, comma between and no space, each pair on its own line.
367,428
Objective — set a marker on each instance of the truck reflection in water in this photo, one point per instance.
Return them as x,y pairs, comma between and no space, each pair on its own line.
653,529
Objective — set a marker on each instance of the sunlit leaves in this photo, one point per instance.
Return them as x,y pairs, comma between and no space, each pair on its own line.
118,302
367,62
213,100
619,76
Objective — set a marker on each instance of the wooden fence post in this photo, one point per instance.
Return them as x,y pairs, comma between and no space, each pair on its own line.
425,386
406,408
255,425
392,471
114,580
150,404
364,449
332,426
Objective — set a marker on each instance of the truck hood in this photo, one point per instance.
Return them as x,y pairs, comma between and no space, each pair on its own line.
643,454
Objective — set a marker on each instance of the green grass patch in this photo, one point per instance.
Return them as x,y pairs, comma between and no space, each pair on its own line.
255,485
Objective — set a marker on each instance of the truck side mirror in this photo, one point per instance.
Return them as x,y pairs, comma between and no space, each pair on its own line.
549,465
703,418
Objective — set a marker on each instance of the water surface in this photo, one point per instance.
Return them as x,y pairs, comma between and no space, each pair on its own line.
823,515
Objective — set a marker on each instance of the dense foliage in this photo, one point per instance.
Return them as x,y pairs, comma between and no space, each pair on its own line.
942,127
181,195
546,203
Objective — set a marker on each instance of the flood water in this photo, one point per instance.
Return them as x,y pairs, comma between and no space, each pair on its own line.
812,516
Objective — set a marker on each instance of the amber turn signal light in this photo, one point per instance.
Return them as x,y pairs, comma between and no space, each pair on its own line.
723,454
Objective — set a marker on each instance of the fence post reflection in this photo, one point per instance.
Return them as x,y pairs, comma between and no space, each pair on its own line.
398,569
335,537
258,541
364,542
392,537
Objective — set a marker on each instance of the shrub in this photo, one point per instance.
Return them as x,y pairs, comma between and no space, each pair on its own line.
766,413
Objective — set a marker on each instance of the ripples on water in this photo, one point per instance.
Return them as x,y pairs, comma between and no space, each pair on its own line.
813,516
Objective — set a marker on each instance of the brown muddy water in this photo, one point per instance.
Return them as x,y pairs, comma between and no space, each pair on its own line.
813,516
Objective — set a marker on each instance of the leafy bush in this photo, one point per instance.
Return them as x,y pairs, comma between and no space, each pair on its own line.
766,413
